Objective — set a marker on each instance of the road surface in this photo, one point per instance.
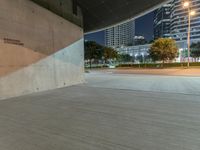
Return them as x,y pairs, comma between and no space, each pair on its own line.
108,112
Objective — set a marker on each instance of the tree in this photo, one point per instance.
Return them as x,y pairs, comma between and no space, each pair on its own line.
109,53
93,51
125,58
151,41
195,50
163,49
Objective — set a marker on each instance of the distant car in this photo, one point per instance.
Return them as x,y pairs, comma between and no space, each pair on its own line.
111,66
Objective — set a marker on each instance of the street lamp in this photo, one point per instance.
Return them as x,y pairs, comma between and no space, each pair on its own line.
186,4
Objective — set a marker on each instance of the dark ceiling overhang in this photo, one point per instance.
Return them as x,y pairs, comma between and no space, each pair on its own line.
98,14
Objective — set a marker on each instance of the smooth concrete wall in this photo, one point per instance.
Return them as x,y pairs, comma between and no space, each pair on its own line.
38,50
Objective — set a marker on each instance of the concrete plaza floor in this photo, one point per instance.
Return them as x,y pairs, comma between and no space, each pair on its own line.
143,82
108,112
193,71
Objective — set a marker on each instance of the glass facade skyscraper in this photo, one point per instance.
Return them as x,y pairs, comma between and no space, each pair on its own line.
162,21
179,20
171,20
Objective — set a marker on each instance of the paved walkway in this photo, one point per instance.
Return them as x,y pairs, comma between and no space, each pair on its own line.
139,82
168,72
93,117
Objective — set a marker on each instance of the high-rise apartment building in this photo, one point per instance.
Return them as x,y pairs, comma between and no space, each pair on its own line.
171,20
179,20
121,35
162,21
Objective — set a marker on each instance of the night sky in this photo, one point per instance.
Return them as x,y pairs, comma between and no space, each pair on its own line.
144,27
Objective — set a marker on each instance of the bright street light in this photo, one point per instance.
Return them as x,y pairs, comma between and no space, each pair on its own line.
186,4
192,13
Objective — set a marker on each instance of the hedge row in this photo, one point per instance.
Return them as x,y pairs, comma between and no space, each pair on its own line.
158,65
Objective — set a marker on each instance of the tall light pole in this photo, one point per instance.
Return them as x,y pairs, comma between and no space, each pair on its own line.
186,4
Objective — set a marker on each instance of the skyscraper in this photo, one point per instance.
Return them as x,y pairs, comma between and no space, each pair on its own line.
171,20
121,35
162,21
179,20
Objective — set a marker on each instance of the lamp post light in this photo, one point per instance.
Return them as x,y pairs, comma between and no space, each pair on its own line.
186,4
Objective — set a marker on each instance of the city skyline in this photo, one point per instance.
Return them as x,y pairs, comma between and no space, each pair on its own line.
170,20
143,26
